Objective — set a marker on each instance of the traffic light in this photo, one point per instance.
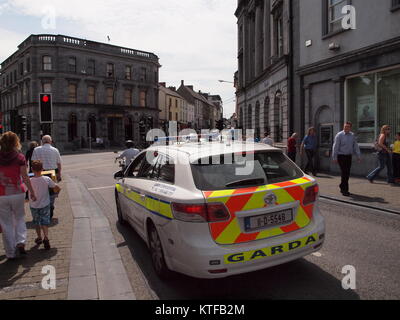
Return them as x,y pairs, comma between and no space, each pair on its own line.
20,124
46,108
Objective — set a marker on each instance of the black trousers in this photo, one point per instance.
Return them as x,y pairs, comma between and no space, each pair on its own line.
310,162
345,162
396,165
292,156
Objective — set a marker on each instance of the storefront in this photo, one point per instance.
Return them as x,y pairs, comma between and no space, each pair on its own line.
371,101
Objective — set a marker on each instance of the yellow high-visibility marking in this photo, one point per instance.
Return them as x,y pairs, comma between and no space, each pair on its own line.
230,234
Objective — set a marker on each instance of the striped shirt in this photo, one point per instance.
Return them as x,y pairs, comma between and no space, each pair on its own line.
49,156
345,144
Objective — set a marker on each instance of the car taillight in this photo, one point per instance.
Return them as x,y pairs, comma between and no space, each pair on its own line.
310,195
212,212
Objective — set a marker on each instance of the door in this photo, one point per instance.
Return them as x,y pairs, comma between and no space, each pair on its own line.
138,184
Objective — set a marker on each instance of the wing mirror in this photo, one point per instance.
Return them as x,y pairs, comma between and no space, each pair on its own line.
119,175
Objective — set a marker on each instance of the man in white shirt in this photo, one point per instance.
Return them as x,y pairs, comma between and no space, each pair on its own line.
51,159
267,140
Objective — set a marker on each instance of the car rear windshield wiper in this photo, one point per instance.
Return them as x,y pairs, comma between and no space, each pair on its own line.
246,182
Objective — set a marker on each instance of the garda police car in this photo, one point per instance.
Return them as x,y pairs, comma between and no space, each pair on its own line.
212,210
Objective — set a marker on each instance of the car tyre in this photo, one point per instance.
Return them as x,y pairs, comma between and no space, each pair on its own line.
121,219
157,254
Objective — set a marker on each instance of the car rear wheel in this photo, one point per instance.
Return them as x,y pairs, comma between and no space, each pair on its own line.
121,219
157,254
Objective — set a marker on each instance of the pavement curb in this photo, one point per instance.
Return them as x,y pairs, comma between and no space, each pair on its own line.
360,205
96,268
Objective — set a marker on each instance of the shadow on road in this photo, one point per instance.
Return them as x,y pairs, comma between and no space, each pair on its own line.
361,198
298,280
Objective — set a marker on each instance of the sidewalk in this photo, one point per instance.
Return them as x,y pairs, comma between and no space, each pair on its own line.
22,278
379,195
84,255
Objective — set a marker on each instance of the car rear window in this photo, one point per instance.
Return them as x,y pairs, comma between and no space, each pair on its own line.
267,168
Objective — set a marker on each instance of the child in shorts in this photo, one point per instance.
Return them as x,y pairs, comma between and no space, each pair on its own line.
40,208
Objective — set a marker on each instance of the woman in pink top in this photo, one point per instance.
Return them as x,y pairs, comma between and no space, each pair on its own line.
13,174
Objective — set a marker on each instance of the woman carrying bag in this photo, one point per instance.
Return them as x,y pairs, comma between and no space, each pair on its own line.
384,156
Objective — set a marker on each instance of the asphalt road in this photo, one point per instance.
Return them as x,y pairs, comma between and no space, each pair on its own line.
366,239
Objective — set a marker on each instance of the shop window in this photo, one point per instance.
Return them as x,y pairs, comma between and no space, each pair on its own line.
373,101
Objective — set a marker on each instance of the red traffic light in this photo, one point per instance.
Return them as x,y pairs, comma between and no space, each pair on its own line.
45,98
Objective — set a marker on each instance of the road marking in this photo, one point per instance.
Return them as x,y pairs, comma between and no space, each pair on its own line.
101,188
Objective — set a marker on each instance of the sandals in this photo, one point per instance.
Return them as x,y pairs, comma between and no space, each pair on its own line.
38,241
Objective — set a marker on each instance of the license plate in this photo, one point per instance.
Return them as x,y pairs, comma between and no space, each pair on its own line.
268,220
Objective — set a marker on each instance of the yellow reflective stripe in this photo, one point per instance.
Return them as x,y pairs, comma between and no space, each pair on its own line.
305,186
119,188
165,210
230,234
283,196
255,202
300,181
302,219
221,193
269,233
152,205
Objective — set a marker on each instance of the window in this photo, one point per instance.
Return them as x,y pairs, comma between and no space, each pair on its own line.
147,169
128,97
128,73
110,70
47,65
72,93
46,87
110,96
143,74
266,114
72,64
91,67
165,170
373,101
278,134
72,127
28,65
333,15
91,95
143,101
135,166
269,168
279,35
21,69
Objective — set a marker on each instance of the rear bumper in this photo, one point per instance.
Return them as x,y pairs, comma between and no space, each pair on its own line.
192,255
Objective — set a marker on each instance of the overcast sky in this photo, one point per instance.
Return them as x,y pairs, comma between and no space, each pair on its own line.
194,39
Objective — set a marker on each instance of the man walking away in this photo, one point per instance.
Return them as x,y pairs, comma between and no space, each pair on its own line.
130,153
343,149
51,159
292,147
310,146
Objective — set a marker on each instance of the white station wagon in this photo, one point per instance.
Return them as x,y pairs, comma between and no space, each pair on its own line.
213,210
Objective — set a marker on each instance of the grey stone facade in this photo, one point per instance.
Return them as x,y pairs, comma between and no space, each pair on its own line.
123,106
340,72
263,59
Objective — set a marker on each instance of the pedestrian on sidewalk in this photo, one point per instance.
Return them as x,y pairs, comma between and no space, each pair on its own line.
51,159
40,208
129,154
396,159
309,146
344,147
267,140
13,175
292,147
29,153
384,156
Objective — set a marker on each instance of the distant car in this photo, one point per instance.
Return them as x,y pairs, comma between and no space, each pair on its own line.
200,216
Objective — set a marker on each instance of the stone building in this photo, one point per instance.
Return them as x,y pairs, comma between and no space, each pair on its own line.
98,90
264,67
347,74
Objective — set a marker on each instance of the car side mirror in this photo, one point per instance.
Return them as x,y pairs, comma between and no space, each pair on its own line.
119,175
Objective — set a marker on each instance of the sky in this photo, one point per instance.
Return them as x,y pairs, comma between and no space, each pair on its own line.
196,40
